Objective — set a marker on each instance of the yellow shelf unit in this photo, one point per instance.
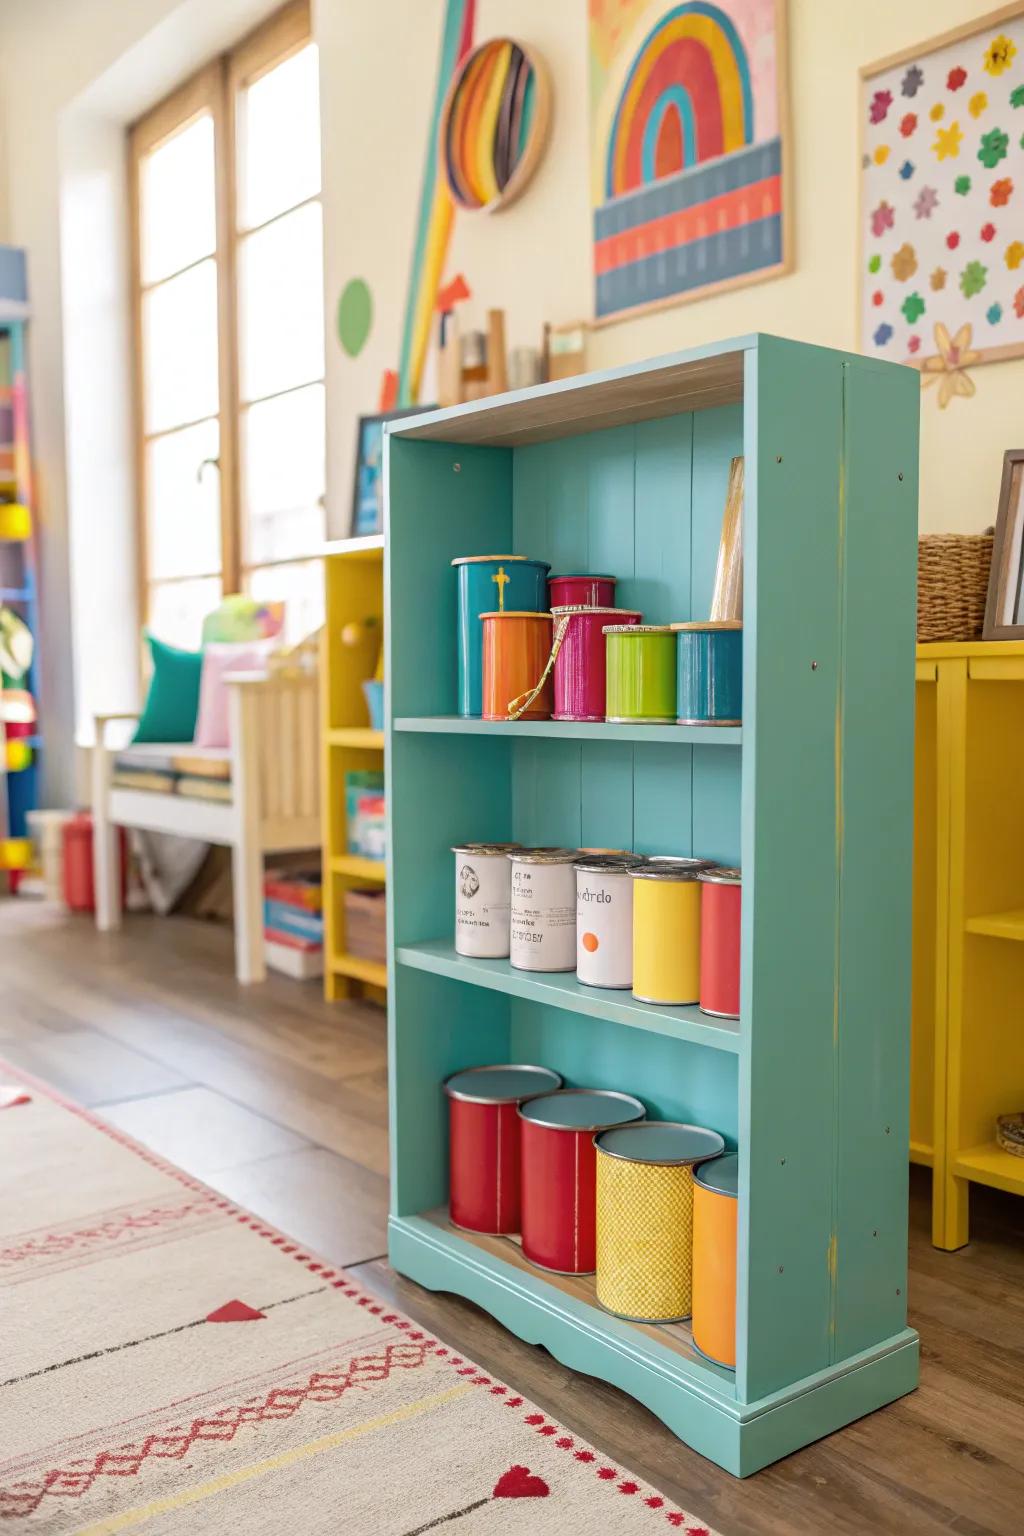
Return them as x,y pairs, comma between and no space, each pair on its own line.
354,591
967,1038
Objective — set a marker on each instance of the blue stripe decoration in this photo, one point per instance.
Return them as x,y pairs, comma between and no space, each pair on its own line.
678,97
697,184
715,259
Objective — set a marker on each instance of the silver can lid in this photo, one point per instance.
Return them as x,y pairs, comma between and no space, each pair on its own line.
582,1109
564,608
484,849
479,559
666,1142
722,1175
501,1084
719,875
609,863
544,855
581,576
638,629
666,866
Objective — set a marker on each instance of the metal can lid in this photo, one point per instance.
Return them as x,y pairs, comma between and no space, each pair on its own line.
609,863
479,559
501,1084
544,855
666,866
582,576
722,1175
483,850
710,624
637,629
719,875
517,613
582,1109
661,1141
561,609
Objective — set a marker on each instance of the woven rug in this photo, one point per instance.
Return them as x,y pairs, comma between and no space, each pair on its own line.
171,1364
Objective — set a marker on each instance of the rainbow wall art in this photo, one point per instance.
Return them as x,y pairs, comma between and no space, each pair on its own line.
687,148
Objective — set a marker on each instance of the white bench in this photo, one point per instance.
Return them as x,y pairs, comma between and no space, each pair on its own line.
274,806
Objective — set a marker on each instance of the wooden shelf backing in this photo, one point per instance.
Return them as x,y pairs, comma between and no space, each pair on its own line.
372,971
360,736
578,730
989,1164
562,990
358,867
508,1250
999,925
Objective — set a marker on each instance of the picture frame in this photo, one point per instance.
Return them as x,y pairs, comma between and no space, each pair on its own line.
368,486
1004,608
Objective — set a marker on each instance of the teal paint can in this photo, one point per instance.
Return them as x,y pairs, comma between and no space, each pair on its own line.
710,673
491,584
640,665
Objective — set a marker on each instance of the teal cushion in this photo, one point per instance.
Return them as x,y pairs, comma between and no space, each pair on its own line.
172,702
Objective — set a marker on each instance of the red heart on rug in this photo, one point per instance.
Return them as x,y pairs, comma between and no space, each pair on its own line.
520,1483
234,1312
11,1094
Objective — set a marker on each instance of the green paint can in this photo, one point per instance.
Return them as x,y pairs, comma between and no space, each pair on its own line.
641,672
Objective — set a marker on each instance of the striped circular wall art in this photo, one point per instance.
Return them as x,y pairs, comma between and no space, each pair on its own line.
495,123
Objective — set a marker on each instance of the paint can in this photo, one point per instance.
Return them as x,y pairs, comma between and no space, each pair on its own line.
666,930
581,591
542,924
484,1143
645,1217
709,670
721,901
604,920
641,672
579,658
486,583
483,882
559,1173
715,1209
516,647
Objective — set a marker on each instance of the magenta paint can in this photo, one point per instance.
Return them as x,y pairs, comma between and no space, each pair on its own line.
579,652
581,591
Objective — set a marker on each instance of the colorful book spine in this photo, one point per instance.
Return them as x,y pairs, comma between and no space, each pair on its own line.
285,919
295,893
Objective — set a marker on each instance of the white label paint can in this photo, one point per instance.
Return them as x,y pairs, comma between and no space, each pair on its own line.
604,922
483,880
543,918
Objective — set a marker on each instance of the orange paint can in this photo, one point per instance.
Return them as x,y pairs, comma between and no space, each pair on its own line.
517,646
715,1206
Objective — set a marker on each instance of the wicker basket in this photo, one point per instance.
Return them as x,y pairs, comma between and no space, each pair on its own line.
1010,1134
952,584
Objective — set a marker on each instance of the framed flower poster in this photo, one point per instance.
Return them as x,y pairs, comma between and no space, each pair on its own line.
942,202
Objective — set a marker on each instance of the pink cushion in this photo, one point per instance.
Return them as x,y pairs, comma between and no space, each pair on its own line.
220,658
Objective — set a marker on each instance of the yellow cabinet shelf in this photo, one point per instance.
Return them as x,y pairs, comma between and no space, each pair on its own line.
358,867
373,972
999,925
989,1164
360,736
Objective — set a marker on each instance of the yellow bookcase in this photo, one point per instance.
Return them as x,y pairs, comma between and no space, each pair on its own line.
967,1051
354,592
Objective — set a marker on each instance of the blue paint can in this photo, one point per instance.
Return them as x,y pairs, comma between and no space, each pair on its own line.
491,584
709,673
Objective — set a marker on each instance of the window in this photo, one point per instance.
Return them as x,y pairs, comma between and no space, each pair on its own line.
227,252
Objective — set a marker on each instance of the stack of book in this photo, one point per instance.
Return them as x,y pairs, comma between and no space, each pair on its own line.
293,922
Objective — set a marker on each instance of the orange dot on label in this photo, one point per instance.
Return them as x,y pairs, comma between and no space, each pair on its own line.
590,942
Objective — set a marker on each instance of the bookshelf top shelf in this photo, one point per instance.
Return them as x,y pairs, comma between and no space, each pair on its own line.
574,730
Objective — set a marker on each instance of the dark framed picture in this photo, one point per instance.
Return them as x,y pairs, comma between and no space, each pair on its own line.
368,491
1004,610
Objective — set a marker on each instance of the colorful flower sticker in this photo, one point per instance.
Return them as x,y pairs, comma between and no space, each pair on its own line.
877,298
937,112
994,314
882,335
882,219
973,279
881,154
1001,192
926,202
904,263
1014,255
999,55
977,104
912,81
1018,303
962,185
988,232
881,101
948,141
908,123
1017,96
874,265
956,78
938,279
912,307
993,148
952,239
907,169
913,343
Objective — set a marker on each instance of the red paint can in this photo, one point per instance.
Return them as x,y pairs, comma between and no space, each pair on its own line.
720,901
483,1120
579,646
574,591
559,1174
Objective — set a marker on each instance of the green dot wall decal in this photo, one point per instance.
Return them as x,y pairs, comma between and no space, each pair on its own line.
355,316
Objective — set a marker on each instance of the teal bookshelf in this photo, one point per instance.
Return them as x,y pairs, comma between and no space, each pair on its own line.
626,471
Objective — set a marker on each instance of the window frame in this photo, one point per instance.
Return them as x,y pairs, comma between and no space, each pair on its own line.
214,89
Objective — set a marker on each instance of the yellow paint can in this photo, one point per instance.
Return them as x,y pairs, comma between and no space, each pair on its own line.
645,1217
666,930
